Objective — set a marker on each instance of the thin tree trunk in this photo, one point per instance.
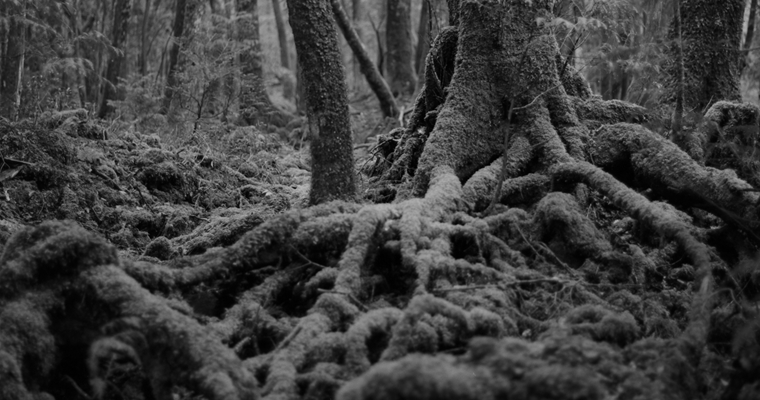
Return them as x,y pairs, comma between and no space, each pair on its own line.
13,68
118,58
750,24
182,17
423,38
255,105
144,40
677,135
332,175
750,33
374,79
356,17
282,35
398,40
3,48
76,29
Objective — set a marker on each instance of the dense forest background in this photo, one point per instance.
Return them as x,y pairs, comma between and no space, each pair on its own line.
396,199
68,48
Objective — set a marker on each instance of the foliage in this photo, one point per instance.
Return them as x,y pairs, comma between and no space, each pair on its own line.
618,45
53,56
205,88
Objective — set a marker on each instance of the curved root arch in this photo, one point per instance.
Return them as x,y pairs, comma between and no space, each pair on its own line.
322,295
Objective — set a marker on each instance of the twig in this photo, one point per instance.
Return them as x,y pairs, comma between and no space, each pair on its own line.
239,346
288,339
77,388
303,257
463,288
546,250
109,180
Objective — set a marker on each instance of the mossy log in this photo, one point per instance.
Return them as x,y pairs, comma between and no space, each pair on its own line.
581,283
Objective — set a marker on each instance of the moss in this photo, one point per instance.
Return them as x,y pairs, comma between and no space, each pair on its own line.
161,176
465,137
416,377
727,138
708,41
51,251
174,348
596,112
602,324
160,248
560,223
478,190
367,337
361,247
27,347
634,152
223,229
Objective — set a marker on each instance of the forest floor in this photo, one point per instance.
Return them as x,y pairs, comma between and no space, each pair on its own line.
574,327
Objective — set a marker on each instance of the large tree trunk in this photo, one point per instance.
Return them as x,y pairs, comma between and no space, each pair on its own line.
398,41
370,71
117,60
13,64
327,104
711,34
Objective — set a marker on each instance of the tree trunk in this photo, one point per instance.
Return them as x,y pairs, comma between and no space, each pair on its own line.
748,38
282,35
327,104
711,32
375,80
117,60
80,78
13,66
423,37
677,124
398,41
145,39
184,12
255,105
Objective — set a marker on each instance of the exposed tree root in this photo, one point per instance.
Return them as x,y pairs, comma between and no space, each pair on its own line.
575,286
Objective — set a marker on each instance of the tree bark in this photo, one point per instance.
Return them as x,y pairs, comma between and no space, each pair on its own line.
116,61
368,68
423,38
711,33
398,41
13,67
145,38
677,123
184,13
282,35
327,104
748,38
255,105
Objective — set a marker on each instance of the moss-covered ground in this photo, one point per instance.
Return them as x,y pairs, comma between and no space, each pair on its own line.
141,262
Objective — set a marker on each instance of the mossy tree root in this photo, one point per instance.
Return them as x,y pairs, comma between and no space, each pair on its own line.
58,273
666,224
